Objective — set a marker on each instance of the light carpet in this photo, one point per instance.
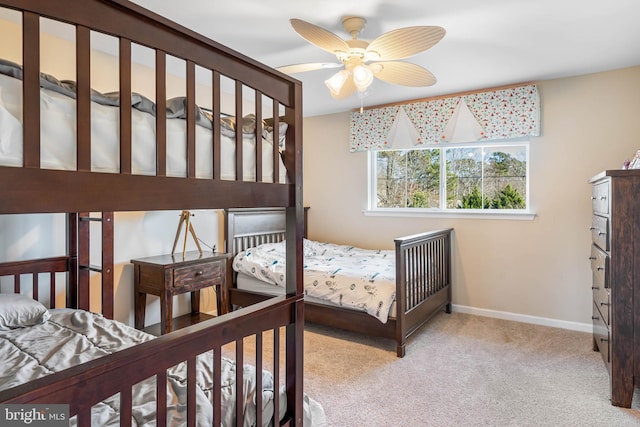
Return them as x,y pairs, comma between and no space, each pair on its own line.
462,370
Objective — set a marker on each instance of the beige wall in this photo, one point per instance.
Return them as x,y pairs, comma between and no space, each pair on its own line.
535,271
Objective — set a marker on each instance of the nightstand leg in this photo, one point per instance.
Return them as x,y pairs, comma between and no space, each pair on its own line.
140,303
195,302
166,312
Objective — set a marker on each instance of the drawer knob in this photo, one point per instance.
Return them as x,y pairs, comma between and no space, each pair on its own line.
604,340
199,273
592,228
592,258
594,317
599,268
593,197
595,288
604,303
603,197
601,233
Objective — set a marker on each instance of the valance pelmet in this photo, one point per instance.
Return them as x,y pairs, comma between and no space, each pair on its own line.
508,113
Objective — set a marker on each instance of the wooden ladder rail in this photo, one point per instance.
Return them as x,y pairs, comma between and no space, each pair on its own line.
80,267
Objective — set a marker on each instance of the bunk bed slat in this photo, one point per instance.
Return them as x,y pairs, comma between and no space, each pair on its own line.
161,121
191,119
259,377
161,398
215,87
191,391
239,380
31,90
126,404
125,105
83,98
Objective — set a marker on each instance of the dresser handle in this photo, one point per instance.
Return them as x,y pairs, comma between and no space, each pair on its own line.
593,288
199,273
599,268
604,340
603,197
593,197
592,258
604,303
601,233
592,228
594,318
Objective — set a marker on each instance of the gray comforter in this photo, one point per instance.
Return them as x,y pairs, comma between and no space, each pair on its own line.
72,337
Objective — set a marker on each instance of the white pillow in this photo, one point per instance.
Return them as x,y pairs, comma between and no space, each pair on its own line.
20,311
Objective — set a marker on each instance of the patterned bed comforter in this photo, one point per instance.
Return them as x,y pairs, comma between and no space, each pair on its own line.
71,337
351,277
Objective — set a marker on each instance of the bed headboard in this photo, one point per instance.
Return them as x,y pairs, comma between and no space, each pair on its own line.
249,227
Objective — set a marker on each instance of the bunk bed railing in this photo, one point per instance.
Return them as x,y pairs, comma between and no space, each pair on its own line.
48,190
119,372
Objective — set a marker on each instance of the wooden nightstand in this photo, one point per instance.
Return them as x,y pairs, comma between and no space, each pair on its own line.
170,275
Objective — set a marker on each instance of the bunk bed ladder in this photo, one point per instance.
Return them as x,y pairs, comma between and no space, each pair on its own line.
80,268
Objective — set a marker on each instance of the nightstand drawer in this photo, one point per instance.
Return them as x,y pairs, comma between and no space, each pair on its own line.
187,276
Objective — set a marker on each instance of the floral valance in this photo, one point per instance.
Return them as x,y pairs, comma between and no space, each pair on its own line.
483,116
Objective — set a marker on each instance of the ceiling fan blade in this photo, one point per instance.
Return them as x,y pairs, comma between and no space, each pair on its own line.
404,42
404,74
312,66
347,90
320,37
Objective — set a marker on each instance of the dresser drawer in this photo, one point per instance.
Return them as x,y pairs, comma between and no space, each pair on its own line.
600,198
601,335
190,275
599,267
600,231
602,300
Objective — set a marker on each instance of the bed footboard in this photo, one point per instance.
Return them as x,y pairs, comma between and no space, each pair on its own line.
423,281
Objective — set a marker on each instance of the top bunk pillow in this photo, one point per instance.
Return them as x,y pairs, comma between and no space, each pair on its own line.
20,311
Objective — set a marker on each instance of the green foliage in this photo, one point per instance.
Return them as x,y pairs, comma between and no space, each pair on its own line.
472,200
508,198
419,200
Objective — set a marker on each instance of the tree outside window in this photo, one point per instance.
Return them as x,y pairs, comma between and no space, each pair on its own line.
479,177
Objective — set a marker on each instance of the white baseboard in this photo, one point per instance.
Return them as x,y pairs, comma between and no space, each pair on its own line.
544,321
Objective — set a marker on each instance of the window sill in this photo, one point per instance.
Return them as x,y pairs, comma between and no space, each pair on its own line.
458,214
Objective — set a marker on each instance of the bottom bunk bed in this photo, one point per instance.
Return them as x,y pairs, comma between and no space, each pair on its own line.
110,374
402,291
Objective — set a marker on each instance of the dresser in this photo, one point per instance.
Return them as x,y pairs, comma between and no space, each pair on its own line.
175,274
615,265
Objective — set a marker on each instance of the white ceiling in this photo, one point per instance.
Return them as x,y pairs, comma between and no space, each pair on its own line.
488,43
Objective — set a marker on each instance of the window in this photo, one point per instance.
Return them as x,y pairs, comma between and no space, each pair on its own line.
479,178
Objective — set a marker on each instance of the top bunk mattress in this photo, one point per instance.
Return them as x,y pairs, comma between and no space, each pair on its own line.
58,137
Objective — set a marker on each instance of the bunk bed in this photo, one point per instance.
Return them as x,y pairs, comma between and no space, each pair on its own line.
418,275
59,286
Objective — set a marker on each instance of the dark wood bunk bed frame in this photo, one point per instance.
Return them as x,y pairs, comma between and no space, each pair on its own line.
77,193
423,277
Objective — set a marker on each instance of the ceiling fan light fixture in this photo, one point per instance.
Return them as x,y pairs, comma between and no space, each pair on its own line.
362,77
337,81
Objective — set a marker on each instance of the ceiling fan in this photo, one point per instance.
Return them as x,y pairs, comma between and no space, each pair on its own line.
363,60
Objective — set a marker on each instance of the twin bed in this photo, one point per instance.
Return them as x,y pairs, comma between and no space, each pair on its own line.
65,149
387,294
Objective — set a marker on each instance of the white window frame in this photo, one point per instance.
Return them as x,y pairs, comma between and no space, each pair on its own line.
443,211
